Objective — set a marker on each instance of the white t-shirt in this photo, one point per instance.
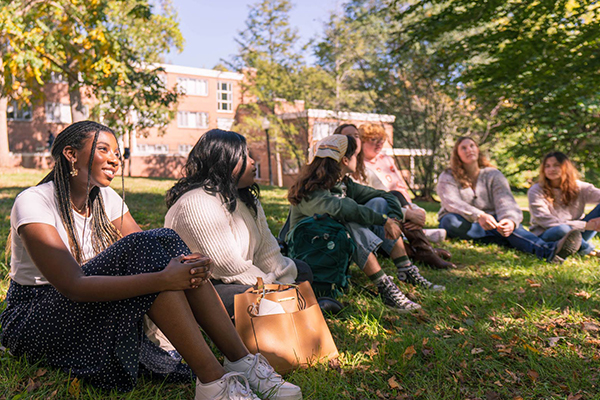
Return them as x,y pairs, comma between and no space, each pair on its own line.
38,205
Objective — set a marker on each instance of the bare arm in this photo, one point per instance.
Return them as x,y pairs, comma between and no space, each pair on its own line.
53,259
128,224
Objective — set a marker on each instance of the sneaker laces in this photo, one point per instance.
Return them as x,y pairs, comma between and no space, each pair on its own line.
264,371
414,277
388,289
236,387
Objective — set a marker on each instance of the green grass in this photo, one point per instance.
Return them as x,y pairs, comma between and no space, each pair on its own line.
508,326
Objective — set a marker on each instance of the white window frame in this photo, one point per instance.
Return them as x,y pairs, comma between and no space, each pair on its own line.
224,97
193,87
19,112
59,113
185,148
322,129
192,119
225,123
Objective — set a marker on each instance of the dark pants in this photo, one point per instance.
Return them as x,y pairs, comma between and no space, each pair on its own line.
521,239
227,291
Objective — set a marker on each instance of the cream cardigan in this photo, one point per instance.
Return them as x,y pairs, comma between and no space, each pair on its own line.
241,246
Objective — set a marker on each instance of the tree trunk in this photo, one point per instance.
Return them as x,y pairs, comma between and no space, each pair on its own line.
5,159
78,112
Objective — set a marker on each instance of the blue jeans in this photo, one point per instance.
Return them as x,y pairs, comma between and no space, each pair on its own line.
521,239
559,231
370,238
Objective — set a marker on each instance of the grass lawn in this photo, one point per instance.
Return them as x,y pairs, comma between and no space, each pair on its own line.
508,326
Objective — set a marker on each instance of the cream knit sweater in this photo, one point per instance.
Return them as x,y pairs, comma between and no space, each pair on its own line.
241,247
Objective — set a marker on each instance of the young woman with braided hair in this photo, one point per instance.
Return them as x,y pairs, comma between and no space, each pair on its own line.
84,275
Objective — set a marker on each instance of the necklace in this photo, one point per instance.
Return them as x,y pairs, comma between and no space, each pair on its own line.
80,211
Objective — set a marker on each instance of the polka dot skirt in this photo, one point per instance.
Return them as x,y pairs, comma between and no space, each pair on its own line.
102,342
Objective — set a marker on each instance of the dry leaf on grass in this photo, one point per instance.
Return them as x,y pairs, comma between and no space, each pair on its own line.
574,396
590,326
553,341
534,376
393,383
409,353
533,283
477,350
583,294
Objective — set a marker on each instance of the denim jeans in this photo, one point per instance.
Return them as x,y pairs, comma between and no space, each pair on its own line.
521,239
559,231
370,238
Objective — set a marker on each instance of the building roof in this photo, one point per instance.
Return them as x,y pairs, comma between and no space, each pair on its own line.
211,73
339,115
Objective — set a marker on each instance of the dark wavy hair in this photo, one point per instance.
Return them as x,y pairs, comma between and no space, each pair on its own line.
210,166
321,173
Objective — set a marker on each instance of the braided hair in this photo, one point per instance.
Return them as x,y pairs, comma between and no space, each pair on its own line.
104,233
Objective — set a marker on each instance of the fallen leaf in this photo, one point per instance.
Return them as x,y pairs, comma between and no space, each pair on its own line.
574,396
334,364
393,383
533,283
590,327
391,362
419,392
494,336
74,387
40,372
477,350
425,341
534,376
583,294
553,341
498,383
32,385
409,353
528,347
517,398
491,395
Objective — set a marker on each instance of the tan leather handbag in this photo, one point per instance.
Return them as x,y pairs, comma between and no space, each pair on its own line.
296,338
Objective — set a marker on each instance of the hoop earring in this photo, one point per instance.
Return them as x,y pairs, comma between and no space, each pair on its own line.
74,171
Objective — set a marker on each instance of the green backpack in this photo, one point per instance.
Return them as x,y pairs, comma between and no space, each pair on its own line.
325,245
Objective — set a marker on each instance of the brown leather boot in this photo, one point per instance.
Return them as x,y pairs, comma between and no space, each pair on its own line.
443,253
423,251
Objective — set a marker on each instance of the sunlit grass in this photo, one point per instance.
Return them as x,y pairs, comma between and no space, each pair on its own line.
508,325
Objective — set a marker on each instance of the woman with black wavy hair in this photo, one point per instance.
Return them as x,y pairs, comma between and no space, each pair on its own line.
83,276
215,208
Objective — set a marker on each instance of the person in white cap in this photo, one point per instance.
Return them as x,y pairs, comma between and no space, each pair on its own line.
371,216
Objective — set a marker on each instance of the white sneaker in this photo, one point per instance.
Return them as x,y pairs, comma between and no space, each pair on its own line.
263,379
231,386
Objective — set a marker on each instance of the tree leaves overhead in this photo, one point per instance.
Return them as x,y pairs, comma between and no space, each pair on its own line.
539,60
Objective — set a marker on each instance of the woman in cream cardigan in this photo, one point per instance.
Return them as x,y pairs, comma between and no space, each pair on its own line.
215,208
557,202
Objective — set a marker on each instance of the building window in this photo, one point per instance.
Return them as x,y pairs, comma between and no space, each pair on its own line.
225,123
224,96
18,112
58,113
323,129
185,148
193,87
192,119
149,149
56,77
